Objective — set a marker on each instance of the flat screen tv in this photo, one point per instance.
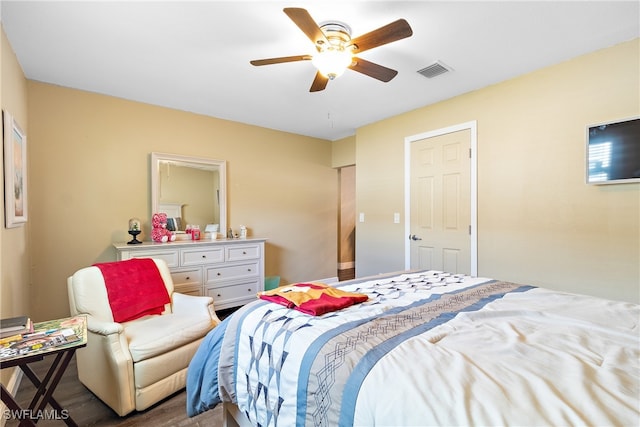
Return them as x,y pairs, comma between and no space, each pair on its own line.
613,152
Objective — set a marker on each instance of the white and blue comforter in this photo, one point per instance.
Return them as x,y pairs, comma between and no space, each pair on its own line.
427,349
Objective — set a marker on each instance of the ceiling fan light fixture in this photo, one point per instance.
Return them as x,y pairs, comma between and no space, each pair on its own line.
332,62
335,49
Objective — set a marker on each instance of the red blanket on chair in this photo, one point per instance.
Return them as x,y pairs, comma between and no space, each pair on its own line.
135,288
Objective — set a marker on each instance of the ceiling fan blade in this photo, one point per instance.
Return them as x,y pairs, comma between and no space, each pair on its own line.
392,32
280,60
305,22
319,83
371,69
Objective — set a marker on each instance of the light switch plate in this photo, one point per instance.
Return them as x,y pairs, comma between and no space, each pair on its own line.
361,216
396,218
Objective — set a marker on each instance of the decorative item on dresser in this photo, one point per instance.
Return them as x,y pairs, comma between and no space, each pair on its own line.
229,271
134,230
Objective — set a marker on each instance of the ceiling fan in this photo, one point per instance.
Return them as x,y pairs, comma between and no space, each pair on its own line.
336,49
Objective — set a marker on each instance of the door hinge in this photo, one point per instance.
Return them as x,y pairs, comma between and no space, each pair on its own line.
469,230
469,152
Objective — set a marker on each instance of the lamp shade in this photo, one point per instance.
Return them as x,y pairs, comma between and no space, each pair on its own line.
332,62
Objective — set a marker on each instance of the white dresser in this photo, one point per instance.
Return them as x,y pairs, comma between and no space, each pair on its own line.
229,270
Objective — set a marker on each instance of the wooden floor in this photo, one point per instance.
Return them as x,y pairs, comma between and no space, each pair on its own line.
87,410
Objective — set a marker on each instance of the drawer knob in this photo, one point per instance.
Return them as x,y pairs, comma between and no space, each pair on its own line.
219,295
204,256
219,274
244,252
249,289
187,278
248,269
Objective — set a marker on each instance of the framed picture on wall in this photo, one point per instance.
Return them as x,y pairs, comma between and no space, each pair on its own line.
15,172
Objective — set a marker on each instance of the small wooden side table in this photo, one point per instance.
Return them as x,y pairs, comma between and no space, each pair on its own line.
45,387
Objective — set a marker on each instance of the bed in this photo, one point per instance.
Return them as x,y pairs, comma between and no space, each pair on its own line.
426,348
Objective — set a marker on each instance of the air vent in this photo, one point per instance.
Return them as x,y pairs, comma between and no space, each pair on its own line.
435,69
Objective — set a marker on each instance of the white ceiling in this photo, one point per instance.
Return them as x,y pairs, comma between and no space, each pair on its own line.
194,56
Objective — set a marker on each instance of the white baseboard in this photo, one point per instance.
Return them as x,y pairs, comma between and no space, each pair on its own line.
12,387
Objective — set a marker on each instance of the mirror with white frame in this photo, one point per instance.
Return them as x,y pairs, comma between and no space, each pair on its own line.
192,189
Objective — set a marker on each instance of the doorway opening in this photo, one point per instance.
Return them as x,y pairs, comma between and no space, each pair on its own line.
347,223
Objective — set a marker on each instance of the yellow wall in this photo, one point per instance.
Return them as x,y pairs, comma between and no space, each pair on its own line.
90,173
538,222
14,241
14,255
343,152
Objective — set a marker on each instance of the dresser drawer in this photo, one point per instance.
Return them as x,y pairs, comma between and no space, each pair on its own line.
186,276
225,294
168,256
242,252
202,256
227,272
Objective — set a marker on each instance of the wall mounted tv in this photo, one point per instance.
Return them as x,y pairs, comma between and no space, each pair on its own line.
613,152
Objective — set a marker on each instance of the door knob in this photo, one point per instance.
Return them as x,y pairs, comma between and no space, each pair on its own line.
414,237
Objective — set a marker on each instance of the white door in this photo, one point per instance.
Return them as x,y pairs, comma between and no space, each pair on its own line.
440,201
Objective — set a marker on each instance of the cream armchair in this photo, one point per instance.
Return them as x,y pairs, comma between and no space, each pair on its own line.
132,365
